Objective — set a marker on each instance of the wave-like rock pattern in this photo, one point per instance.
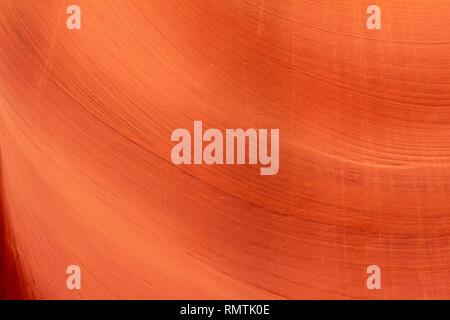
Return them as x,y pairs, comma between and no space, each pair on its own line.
86,176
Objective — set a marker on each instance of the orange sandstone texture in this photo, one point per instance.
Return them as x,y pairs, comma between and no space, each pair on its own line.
86,118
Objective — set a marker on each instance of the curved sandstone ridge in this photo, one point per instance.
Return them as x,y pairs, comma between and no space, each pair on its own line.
86,118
